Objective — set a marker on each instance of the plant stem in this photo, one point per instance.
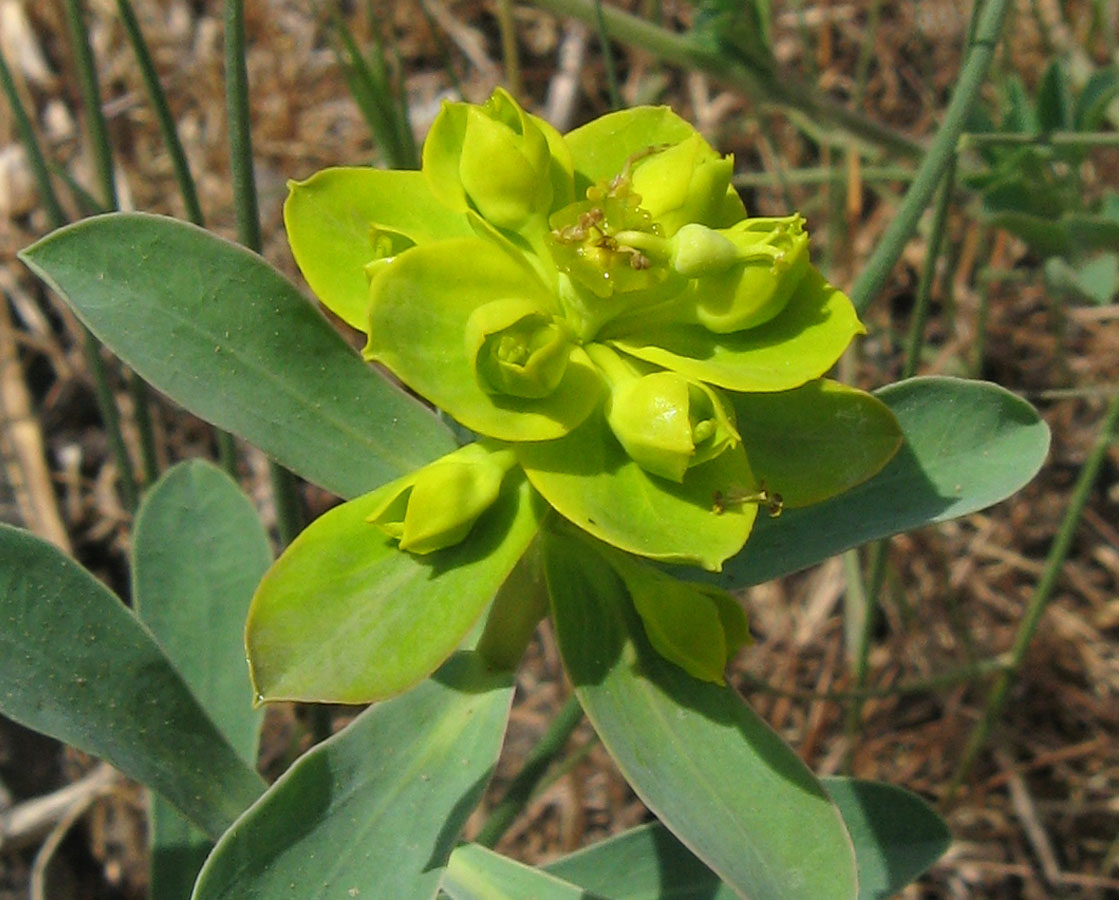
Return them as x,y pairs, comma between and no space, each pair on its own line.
106,403
765,86
612,88
1058,552
35,160
91,100
166,123
509,53
916,341
817,175
967,672
289,517
536,764
931,170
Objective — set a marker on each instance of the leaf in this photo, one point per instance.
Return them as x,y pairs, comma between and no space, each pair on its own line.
1046,237
1097,94
476,873
75,664
421,310
800,344
329,219
601,148
693,625
588,479
644,863
968,444
897,835
198,551
223,333
695,753
344,616
375,810
1054,99
815,441
1095,279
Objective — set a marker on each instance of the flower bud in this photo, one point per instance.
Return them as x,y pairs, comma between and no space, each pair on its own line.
497,159
436,506
516,349
772,258
665,422
684,183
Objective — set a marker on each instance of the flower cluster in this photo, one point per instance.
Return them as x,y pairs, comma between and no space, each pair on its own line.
597,307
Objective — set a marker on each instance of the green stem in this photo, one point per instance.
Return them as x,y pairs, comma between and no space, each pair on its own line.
968,672
613,91
91,100
1051,139
106,403
916,341
164,120
931,171
765,86
536,764
35,159
288,514
1054,563
520,604
507,25
110,418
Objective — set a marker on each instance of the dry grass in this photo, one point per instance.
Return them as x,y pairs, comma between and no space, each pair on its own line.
1040,815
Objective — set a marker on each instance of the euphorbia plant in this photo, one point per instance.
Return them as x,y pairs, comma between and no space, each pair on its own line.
639,367
600,310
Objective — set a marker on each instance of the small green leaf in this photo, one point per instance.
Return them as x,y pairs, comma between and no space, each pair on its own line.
220,331
897,835
800,344
968,444
815,441
476,873
683,621
601,148
1095,279
419,322
77,665
198,551
589,480
329,220
1097,94
695,753
1054,99
344,616
644,863
375,811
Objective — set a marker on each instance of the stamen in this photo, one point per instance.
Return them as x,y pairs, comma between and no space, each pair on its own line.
773,502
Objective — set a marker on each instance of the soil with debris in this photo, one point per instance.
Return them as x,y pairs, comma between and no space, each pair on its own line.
1039,815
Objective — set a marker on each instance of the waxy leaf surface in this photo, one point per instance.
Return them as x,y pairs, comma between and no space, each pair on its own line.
418,322
198,551
816,441
220,331
590,481
475,873
75,664
345,616
896,836
374,811
800,344
968,444
695,753
329,218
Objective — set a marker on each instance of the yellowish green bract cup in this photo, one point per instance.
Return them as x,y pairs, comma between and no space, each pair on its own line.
591,306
